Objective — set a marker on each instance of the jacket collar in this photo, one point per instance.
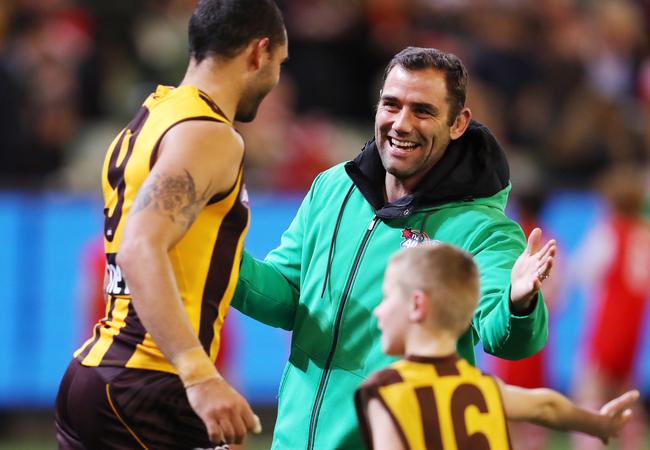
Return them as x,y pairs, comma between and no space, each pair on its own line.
473,166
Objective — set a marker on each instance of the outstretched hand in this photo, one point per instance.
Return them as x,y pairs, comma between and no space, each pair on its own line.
529,271
618,413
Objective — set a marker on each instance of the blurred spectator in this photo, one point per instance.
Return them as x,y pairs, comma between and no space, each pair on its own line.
565,84
47,85
613,54
330,60
285,150
614,264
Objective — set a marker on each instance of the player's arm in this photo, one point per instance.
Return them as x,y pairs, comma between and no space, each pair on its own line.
551,409
196,161
383,432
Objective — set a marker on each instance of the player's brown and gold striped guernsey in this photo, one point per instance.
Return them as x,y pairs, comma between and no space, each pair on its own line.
205,260
437,404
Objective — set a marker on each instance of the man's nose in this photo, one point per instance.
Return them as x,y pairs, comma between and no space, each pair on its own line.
403,123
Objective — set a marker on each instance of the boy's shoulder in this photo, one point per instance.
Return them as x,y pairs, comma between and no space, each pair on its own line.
385,377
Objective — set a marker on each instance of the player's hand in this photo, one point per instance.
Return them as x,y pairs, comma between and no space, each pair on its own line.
226,414
531,268
618,413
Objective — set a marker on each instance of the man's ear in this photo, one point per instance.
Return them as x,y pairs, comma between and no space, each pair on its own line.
258,51
418,306
460,123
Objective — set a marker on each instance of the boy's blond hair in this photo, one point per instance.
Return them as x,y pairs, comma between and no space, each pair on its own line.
449,277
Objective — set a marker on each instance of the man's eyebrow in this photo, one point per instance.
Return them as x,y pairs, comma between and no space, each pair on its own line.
389,98
415,105
426,107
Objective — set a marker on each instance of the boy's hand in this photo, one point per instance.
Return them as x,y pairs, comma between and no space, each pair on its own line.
531,268
618,413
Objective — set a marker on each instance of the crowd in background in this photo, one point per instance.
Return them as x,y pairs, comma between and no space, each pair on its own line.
564,84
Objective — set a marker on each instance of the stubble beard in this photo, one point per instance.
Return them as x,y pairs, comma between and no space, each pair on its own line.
248,106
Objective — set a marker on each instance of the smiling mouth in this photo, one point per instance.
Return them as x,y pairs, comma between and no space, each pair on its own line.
405,146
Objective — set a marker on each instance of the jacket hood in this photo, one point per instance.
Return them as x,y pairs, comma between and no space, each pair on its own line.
473,166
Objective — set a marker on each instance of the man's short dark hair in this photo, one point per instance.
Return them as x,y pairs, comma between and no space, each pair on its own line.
224,27
417,58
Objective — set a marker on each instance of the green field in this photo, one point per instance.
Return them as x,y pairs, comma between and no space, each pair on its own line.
35,431
558,441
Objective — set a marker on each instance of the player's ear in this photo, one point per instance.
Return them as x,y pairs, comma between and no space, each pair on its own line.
419,306
258,51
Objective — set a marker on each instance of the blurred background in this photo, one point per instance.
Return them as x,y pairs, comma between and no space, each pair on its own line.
563,84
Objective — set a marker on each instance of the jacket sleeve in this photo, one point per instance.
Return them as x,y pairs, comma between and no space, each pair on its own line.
269,290
502,333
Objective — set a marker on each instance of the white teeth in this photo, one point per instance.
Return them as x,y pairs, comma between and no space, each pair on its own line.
402,144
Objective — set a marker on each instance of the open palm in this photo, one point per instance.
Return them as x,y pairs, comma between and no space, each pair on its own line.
531,268
618,412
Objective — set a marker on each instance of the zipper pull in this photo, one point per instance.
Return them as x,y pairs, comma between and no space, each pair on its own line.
372,223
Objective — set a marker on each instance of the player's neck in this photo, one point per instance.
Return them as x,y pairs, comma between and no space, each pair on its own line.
423,342
223,89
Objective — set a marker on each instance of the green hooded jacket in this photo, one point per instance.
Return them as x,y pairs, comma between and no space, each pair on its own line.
324,280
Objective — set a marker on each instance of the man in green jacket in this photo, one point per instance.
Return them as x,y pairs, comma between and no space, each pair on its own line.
431,174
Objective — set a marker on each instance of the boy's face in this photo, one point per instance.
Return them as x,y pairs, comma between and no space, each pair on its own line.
392,313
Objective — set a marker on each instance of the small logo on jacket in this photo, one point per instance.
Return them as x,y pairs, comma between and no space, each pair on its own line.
414,238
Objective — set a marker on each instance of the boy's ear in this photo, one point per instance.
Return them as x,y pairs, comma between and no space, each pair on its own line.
419,306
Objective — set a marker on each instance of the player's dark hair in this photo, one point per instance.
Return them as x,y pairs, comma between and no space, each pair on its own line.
224,27
417,58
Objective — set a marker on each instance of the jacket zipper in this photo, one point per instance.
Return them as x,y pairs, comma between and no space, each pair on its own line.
337,324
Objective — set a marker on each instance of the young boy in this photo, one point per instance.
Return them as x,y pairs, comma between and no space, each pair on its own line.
432,399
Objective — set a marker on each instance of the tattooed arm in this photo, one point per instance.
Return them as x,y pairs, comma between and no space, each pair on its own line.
196,161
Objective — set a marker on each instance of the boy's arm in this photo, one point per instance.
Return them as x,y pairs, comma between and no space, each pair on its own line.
551,409
382,428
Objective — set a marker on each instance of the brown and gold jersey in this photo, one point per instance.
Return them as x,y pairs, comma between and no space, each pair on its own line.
205,260
437,404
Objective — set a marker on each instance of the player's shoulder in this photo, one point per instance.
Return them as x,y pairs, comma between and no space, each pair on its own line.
211,131
217,138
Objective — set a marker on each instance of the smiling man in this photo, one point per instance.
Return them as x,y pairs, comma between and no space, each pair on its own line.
430,175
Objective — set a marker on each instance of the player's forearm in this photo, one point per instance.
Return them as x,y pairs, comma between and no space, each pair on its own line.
148,273
560,413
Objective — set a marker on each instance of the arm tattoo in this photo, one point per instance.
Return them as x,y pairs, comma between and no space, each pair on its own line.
174,196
